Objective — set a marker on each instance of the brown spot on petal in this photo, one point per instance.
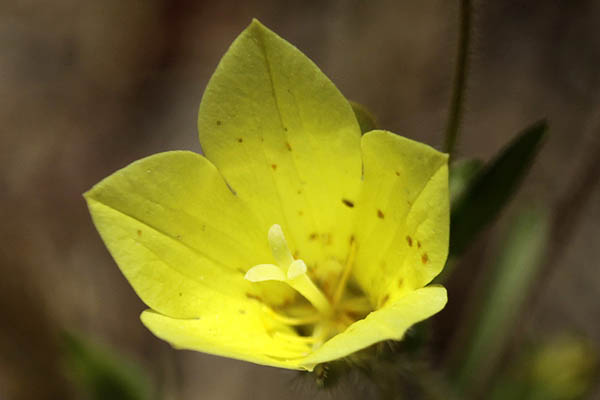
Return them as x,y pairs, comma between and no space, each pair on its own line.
348,203
409,240
274,166
400,282
397,173
424,258
313,236
418,244
352,239
219,123
285,128
288,145
240,140
139,232
380,214
384,300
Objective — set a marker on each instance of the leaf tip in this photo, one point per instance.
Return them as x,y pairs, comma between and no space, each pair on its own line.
540,128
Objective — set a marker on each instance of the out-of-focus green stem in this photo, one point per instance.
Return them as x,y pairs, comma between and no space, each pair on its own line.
460,77
493,321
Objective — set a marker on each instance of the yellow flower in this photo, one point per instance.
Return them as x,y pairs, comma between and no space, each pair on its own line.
295,241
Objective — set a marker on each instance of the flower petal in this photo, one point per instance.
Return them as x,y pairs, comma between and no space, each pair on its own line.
389,322
179,235
286,140
228,333
403,215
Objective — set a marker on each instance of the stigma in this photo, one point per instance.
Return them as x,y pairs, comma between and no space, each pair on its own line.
288,270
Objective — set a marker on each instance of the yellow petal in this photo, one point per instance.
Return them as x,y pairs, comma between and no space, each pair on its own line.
287,142
229,332
403,221
179,235
387,323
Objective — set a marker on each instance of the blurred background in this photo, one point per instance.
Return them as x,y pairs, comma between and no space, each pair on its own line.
88,87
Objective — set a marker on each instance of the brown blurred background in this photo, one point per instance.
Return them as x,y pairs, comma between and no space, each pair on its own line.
87,87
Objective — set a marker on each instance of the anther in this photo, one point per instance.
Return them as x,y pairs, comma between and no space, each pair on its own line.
339,291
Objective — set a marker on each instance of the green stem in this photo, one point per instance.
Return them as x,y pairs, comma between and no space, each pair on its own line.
460,77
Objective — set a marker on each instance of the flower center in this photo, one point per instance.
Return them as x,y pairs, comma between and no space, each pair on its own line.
326,316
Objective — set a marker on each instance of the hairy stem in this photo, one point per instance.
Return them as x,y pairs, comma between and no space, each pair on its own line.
460,77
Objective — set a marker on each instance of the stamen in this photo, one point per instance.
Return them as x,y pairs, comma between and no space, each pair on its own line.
359,305
320,334
296,338
292,321
345,320
299,309
339,291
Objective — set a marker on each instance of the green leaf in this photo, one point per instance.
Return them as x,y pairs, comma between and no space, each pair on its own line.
100,373
509,282
365,119
491,189
461,175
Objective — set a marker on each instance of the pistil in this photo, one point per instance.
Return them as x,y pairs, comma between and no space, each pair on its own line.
330,316
288,270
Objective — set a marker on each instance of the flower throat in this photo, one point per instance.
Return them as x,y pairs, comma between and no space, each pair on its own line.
319,317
